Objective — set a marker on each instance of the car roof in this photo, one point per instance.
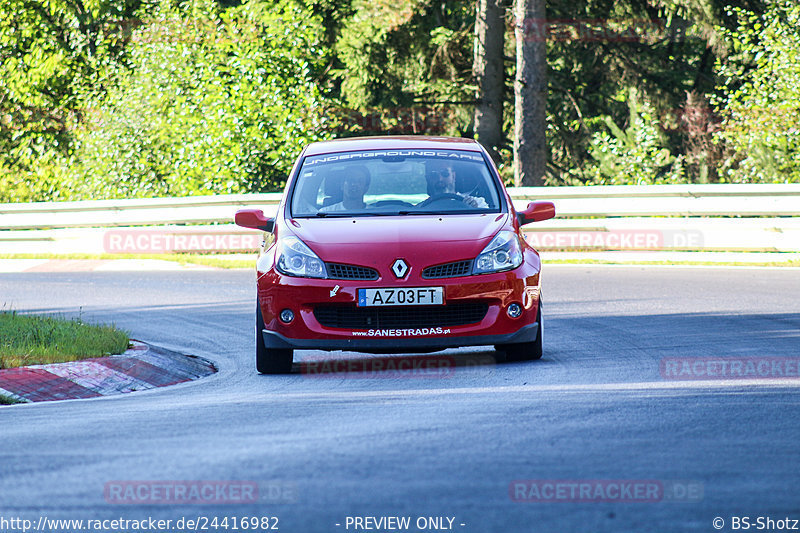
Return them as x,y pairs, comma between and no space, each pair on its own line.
399,142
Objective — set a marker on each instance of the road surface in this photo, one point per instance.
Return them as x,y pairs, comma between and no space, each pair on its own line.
475,448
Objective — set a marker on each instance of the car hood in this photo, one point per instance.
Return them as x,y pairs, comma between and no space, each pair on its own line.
371,241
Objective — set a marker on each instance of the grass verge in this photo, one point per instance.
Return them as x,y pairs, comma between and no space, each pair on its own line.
183,259
672,263
33,340
249,262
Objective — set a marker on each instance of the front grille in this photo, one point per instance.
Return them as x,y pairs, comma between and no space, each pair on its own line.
448,270
411,316
340,271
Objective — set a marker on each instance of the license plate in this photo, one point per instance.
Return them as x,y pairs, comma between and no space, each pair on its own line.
406,296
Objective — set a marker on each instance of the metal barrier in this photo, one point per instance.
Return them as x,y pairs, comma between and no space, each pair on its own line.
651,217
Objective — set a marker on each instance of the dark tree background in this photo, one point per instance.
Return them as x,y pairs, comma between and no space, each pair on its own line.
156,97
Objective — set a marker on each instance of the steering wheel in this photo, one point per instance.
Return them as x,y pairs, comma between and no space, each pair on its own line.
441,196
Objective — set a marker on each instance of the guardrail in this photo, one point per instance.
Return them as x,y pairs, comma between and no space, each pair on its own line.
651,217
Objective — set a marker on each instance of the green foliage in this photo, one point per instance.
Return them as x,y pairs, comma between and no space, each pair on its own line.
126,98
638,155
601,51
49,53
215,102
396,56
761,102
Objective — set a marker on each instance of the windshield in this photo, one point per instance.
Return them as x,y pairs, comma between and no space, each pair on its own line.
394,182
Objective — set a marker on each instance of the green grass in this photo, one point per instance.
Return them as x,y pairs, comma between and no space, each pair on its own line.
32,340
671,263
183,259
217,262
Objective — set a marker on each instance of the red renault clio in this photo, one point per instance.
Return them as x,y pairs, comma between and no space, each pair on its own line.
396,244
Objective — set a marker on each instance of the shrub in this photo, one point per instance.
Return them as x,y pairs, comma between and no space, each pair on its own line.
637,155
214,102
761,106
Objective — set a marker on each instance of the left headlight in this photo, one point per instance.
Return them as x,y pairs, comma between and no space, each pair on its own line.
503,253
295,258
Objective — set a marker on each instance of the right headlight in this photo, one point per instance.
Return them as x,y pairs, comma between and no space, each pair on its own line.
503,253
297,259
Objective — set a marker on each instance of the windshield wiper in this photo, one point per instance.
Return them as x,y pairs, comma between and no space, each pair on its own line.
471,211
423,212
334,215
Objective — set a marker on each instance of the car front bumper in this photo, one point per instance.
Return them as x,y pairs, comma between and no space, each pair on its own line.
308,330
274,340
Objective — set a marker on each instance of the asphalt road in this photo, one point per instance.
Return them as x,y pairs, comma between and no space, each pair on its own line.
599,409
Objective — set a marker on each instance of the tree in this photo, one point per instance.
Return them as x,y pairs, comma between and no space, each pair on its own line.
761,101
530,94
216,101
488,71
49,53
401,57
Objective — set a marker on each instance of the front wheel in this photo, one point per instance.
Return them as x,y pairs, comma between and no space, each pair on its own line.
526,351
270,361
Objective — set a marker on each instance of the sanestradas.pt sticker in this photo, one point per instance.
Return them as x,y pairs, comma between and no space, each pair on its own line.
417,332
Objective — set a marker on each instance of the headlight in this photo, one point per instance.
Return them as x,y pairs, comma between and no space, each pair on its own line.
297,259
503,253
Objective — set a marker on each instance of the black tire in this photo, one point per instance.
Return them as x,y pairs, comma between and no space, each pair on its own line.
526,351
270,361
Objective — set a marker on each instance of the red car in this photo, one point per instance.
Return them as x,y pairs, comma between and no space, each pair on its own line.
396,244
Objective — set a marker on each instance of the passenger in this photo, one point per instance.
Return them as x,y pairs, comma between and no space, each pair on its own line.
355,186
442,180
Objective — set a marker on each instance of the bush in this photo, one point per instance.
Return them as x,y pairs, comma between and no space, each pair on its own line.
761,107
214,102
51,52
636,156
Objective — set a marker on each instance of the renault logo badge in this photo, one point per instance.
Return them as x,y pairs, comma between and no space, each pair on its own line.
400,268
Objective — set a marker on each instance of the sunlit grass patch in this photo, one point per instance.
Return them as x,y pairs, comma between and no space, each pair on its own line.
32,340
622,262
216,261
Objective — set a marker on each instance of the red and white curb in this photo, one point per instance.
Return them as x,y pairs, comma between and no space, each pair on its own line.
139,368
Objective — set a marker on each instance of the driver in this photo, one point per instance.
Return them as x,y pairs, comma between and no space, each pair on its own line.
442,180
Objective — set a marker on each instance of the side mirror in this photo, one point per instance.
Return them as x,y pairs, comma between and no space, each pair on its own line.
254,219
536,212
